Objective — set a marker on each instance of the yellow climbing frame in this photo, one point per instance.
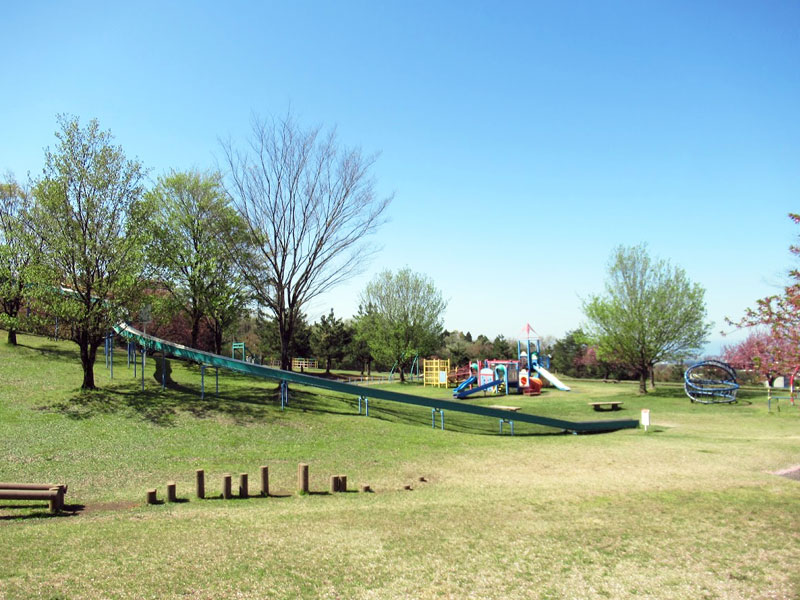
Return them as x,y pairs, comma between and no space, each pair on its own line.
434,371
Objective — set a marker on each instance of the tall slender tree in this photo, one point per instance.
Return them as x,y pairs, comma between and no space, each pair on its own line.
402,317
20,252
309,204
651,312
195,231
329,339
90,215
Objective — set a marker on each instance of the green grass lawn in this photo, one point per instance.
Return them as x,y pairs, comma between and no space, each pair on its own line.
689,509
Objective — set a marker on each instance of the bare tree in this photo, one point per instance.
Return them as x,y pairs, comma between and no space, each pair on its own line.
308,204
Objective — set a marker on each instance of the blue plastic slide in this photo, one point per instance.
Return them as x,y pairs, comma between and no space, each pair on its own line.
469,381
480,388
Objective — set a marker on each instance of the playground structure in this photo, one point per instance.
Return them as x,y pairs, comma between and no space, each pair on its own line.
510,376
206,359
792,397
413,371
711,382
435,372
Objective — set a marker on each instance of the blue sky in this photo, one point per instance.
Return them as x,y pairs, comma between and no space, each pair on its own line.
522,141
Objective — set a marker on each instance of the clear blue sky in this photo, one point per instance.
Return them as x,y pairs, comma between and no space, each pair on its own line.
523,141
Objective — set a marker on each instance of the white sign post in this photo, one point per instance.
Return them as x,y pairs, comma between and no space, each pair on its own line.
645,418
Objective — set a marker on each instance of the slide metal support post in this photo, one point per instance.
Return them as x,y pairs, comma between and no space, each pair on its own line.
433,417
202,382
284,393
510,422
216,381
111,354
134,362
163,371
143,353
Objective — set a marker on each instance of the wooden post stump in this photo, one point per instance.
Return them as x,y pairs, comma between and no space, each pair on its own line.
342,483
302,478
200,487
334,484
365,488
243,492
152,496
226,486
56,502
172,494
265,481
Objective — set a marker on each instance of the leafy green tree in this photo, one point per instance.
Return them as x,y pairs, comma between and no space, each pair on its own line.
567,352
403,317
309,204
90,215
20,253
455,348
329,339
651,312
359,350
501,348
195,229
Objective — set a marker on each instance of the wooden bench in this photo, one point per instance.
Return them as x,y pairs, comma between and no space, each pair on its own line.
603,406
54,494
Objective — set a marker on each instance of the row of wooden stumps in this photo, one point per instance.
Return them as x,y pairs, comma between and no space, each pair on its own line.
338,483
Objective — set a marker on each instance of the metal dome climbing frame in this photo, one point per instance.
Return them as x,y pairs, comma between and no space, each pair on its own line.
711,382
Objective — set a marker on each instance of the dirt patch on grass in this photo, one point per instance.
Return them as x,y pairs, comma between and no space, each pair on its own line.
791,472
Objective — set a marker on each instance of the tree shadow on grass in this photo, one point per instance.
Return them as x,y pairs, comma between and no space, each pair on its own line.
162,408
53,351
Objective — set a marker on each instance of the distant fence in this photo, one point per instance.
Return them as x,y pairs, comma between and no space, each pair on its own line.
304,363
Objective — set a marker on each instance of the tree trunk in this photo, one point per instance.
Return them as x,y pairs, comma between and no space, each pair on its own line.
286,339
217,339
12,310
195,329
402,374
369,368
328,365
652,376
643,381
88,355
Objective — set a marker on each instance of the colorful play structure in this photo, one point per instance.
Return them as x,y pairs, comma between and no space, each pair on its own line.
148,343
510,376
711,382
435,372
792,397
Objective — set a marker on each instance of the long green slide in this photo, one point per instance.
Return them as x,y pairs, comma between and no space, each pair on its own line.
179,351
